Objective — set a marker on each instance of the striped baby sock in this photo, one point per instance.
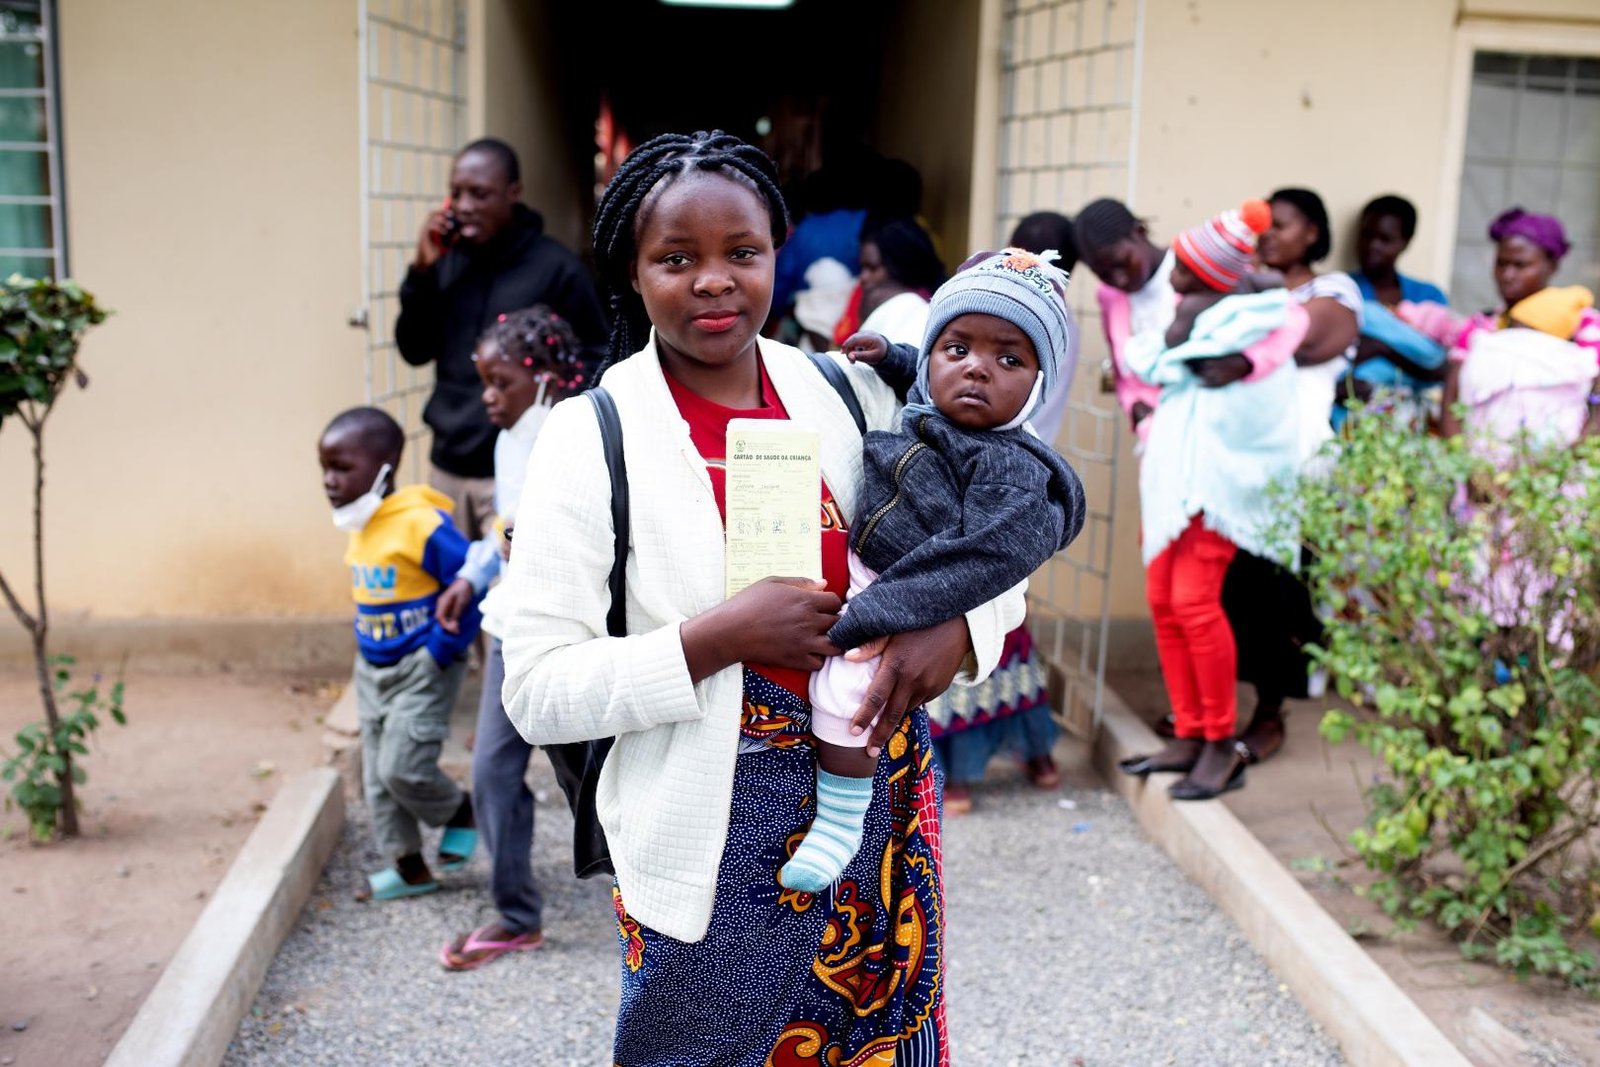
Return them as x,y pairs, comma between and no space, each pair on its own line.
831,843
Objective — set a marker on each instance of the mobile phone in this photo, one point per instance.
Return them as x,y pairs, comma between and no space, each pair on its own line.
451,228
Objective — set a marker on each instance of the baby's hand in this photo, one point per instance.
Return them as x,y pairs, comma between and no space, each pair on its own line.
1223,370
868,652
866,346
453,603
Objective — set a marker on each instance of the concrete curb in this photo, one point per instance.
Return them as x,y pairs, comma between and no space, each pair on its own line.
1374,1022
194,1010
341,738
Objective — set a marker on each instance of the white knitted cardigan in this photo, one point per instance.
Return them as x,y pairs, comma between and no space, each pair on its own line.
667,787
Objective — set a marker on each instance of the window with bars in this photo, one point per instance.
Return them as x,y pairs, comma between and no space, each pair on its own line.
1533,140
32,230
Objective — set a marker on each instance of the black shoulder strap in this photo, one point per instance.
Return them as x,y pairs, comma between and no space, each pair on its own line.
841,385
605,410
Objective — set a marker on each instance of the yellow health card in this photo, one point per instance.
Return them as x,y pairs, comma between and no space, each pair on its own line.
774,478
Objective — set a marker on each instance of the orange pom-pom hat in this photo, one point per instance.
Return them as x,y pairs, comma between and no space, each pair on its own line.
1218,250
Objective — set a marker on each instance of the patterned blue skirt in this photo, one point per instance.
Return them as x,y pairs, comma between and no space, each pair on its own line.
789,979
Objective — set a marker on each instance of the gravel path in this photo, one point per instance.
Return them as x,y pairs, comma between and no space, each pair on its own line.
1073,941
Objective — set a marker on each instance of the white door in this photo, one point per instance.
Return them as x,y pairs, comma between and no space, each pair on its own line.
413,116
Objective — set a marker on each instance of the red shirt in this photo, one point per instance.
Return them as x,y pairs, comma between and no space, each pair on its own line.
708,429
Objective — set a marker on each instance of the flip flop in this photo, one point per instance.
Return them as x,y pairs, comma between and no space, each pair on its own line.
456,846
388,885
490,950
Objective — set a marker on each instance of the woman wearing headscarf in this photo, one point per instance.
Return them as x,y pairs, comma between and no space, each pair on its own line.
1532,363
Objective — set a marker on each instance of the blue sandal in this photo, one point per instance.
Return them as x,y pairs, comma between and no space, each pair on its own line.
456,846
388,885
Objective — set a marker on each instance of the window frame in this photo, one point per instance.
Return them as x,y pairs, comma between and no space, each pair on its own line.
1474,35
50,92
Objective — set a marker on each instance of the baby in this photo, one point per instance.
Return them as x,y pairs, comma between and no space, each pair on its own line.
1210,264
1224,309
963,503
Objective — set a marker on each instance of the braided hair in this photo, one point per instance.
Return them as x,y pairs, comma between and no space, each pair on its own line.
538,339
647,169
1101,224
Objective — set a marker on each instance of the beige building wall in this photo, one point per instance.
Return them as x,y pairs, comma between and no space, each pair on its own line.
1300,106
926,109
211,189
1282,101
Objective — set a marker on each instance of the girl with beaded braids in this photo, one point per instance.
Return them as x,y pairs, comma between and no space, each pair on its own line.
526,360
710,784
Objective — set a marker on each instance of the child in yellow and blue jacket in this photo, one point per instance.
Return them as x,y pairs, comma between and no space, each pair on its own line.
404,549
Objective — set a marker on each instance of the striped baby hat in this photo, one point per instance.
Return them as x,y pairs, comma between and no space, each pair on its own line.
1218,250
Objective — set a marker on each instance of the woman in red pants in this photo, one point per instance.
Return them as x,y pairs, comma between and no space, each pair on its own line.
1225,429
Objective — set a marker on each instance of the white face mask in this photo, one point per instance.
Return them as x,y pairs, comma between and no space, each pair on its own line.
528,425
354,516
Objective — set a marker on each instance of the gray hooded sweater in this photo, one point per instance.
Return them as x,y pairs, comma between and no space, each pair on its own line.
951,518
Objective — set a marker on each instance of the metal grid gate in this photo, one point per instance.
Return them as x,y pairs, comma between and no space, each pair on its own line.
1068,126
413,112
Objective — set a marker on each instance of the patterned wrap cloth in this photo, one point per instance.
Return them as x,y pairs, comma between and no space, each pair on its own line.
787,979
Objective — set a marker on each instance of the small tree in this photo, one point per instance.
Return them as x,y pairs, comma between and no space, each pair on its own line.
41,325
1463,611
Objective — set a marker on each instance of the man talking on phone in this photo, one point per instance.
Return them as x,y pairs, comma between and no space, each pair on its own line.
480,255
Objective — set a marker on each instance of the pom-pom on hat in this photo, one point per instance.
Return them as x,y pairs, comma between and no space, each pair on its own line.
1026,290
1218,250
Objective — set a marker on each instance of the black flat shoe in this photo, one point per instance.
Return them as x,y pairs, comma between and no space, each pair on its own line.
1139,766
1187,789
1166,726
1263,737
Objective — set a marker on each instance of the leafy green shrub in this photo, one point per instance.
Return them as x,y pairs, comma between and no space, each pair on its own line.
44,755
1463,611
41,325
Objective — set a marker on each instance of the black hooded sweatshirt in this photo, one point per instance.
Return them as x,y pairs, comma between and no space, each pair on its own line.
444,309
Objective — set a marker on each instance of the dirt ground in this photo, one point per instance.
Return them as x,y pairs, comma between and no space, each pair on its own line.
1302,804
91,922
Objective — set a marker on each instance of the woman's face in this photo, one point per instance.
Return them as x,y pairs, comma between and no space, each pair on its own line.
873,272
704,268
1379,242
1521,268
1288,239
1125,264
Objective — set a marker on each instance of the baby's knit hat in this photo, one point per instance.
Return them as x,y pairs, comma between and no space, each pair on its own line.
1026,290
1218,250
